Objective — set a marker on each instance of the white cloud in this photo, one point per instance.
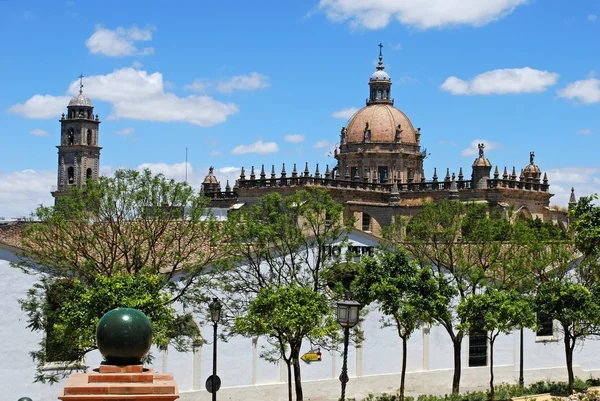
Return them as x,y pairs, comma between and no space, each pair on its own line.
198,85
134,94
198,110
592,17
586,91
39,132
344,113
260,147
22,191
502,81
244,82
119,42
294,138
136,65
215,153
121,84
125,131
584,131
396,46
41,107
473,148
585,180
423,14
321,144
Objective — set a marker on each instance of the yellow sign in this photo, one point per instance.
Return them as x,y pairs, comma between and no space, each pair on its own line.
312,356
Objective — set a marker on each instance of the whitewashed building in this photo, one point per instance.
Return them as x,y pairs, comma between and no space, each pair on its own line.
373,368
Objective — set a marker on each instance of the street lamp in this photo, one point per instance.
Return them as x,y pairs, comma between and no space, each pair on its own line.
213,383
347,317
24,399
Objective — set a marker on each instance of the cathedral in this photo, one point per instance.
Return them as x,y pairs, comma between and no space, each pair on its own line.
379,172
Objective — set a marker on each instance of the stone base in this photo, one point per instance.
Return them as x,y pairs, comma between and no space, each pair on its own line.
120,383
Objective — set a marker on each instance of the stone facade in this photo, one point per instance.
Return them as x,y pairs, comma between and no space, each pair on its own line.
379,172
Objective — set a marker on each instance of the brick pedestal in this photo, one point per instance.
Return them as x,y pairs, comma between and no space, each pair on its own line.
120,383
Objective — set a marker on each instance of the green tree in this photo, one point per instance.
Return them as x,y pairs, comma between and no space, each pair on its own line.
567,273
398,286
282,241
133,224
496,312
577,309
465,245
286,315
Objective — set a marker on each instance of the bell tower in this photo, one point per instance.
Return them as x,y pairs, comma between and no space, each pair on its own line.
78,152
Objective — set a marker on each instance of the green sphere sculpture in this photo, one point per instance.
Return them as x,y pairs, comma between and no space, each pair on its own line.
124,336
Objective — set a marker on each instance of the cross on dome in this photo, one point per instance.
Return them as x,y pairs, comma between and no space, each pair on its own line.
81,83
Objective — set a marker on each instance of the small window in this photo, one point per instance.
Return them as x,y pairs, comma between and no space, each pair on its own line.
354,173
546,331
477,348
382,174
89,137
71,175
366,222
88,174
327,219
71,137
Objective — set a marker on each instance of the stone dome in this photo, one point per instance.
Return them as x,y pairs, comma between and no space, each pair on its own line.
81,100
210,177
383,120
533,170
380,75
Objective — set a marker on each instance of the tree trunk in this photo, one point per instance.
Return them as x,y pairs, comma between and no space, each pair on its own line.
297,377
569,358
457,343
289,378
403,374
492,369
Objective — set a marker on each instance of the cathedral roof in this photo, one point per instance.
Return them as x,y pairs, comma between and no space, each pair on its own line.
383,121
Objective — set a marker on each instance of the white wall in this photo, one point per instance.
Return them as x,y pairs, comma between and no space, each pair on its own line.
374,367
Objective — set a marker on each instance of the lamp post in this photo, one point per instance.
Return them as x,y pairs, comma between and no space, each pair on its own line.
521,379
213,383
347,317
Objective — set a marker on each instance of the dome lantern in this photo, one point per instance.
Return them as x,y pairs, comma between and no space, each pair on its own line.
380,84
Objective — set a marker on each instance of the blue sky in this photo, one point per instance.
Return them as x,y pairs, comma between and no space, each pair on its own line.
245,83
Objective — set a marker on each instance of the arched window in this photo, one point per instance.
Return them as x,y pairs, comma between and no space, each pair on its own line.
88,174
89,137
71,175
71,137
379,94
